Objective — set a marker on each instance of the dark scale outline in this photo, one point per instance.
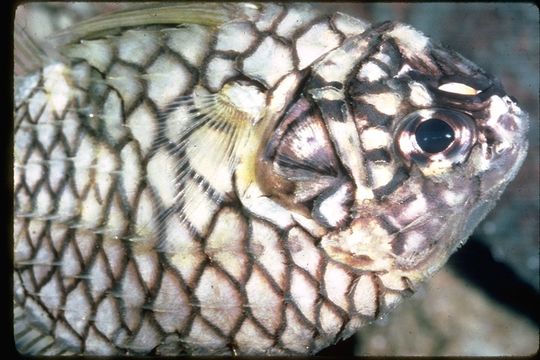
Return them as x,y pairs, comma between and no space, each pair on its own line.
35,146
221,272
193,79
63,182
63,345
207,188
252,262
165,48
241,58
137,100
324,299
305,28
287,295
24,103
276,289
377,285
123,306
333,27
39,113
45,237
232,54
235,56
183,287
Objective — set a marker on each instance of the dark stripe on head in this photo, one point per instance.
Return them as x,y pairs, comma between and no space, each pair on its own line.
360,88
368,112
399,177
386,224
398,244
378,155
332,109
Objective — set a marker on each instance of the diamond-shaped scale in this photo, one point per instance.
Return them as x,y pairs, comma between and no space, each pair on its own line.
225,243
266,247
336,283
132,295
77,308
220,301
171,305
98,274
167,78
297,334
265,303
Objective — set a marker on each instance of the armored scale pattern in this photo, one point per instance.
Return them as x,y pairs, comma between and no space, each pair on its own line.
246,182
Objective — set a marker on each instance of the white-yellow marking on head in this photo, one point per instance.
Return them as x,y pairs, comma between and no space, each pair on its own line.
419,95
413,240
363,238
453,198
386,103
381,174
414,209
332,208
371,72
458,88
412,40
375,138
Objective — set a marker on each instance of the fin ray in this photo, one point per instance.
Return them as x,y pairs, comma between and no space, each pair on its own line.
208,14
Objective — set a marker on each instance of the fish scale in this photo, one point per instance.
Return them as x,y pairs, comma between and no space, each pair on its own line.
147,223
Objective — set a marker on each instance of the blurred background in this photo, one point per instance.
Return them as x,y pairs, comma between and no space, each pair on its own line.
486,300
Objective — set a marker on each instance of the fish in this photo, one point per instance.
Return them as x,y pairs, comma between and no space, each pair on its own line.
243,178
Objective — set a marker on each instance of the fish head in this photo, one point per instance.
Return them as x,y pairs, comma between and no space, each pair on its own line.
399,147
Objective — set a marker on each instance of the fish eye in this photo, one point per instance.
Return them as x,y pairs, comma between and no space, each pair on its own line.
434,135
442,136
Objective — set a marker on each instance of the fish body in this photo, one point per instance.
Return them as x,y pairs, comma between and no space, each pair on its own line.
244,179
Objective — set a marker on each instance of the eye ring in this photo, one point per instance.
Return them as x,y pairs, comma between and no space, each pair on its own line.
452,135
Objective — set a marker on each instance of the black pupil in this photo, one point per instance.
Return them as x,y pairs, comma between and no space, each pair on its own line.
434,135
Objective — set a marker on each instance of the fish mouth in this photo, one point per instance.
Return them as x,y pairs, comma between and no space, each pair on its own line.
505,147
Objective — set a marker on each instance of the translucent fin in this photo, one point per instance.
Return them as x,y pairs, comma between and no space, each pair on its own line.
29,57
32,340
209,14
204,135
